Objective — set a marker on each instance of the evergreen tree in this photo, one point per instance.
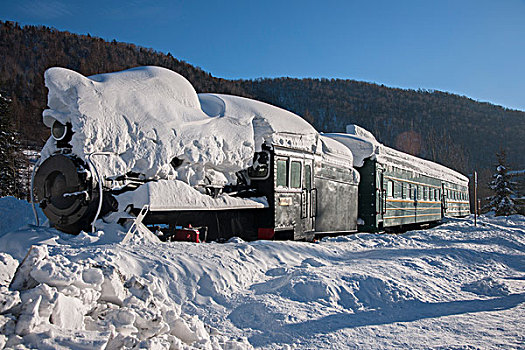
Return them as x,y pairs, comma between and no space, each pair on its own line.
501,202
11,155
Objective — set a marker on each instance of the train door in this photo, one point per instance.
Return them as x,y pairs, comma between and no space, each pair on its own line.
443,200
381,197
416,194
308,197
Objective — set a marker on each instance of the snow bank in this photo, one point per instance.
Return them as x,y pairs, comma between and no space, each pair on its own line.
363,146
454,286
146,116
71,299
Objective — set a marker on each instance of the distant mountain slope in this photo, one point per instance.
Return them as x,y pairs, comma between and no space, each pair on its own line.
453,130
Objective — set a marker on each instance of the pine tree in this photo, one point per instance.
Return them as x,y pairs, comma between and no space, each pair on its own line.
11,156
501,202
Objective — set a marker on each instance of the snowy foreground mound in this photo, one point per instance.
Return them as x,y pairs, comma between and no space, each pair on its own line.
454,286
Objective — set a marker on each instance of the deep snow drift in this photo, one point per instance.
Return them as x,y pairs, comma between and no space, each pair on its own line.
454,286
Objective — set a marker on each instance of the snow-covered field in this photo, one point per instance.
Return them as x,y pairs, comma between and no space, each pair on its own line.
455,286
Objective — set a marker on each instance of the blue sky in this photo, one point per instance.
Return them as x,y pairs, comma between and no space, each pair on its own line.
474,48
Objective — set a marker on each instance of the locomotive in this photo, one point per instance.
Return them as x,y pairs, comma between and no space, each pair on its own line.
141,147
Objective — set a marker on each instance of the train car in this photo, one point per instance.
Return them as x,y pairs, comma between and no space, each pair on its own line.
306,194
141,145
398,190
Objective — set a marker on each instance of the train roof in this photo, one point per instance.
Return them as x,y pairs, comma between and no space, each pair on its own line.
364,146
271,125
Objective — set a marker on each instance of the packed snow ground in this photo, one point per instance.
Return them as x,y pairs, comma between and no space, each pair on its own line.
454,286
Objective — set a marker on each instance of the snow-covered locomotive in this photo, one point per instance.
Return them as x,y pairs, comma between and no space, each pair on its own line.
143,144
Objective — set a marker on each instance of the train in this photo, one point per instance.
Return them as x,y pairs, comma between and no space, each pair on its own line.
141,147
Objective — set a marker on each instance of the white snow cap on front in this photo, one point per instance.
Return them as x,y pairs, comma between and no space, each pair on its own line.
363,145
148,115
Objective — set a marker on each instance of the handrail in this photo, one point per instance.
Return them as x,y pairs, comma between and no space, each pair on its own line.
93,169
37,221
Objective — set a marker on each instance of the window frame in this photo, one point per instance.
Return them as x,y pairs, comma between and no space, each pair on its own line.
299,167
278,172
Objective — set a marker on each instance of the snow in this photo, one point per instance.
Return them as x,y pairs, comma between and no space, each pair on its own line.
336,153
146,116
453,286
177,195
21,214
363,145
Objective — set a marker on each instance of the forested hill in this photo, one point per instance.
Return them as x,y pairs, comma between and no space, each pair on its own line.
453,130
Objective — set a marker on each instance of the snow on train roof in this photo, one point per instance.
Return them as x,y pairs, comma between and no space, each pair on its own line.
271,124
148,115
276,126
364,145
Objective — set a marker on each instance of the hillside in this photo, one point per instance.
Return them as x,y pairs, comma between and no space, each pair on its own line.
453,130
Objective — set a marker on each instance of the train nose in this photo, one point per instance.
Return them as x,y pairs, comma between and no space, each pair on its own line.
63,187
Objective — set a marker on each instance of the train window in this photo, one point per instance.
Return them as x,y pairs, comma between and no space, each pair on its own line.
390,189
282,173
410,193
308,177
295,178
403,192
259,168
425,192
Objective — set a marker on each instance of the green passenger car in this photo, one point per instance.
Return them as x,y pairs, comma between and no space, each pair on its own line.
398,190
392,198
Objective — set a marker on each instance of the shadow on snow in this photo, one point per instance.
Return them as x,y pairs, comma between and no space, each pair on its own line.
272,331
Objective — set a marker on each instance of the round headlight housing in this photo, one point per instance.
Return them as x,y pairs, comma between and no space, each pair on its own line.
58,130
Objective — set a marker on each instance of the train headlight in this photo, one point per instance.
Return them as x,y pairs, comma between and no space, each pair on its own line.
58,130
